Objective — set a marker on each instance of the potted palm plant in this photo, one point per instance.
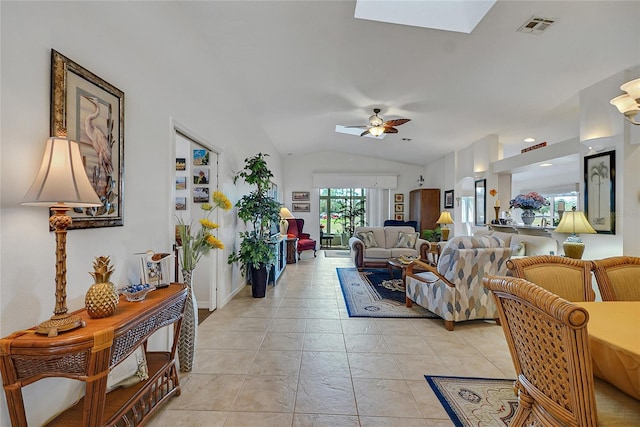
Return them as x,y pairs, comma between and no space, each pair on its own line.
259,212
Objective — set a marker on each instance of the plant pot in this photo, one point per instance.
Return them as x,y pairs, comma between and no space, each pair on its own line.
259,279
528,216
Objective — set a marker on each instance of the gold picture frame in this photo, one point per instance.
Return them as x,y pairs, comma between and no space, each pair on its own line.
91,112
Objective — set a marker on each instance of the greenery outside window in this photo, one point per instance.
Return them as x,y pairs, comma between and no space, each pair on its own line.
342,210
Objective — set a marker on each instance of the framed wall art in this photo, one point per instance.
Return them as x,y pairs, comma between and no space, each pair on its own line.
448,199
600,191
480,202
399,217
300,196
200,157
301,207
399,207
201,195
398,198
201,176
181,164
181,182
91,111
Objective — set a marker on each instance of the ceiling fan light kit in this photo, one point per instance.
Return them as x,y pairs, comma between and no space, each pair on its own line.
377,126
629,103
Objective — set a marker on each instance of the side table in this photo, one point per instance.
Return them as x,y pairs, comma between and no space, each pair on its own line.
292,243
326,240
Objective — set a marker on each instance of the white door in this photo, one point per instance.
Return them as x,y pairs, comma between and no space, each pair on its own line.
195,183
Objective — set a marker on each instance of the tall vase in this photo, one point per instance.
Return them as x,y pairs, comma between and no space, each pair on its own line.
189,330
528,216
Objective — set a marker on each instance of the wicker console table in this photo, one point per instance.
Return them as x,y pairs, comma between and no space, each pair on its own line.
86,354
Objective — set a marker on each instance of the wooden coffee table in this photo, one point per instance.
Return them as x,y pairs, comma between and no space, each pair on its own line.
395,263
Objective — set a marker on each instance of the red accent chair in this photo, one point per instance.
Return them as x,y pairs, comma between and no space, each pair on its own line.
305,242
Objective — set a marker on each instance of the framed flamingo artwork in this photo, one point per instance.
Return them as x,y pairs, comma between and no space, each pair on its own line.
91,111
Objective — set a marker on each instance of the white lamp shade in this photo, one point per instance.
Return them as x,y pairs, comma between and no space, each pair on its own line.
375,120
376,131
285,213
625,103
445,218
632,88
574,222
62,178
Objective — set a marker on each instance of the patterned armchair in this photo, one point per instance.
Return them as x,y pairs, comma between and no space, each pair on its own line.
305,242
453,289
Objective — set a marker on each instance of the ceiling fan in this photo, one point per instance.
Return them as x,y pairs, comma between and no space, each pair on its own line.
377,126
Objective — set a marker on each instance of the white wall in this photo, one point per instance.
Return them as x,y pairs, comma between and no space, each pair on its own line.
145,50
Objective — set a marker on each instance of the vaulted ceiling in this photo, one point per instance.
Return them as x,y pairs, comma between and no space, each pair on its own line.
304,67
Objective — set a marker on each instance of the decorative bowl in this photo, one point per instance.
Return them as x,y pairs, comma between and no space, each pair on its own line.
137,292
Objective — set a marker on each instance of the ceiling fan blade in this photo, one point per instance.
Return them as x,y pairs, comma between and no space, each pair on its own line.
365,132
389,129
359,127
396,122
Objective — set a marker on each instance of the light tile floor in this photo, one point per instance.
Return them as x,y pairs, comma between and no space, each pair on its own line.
296,358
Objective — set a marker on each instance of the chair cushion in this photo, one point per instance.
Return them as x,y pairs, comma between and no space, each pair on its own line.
615,408
406,240
367,238
306,244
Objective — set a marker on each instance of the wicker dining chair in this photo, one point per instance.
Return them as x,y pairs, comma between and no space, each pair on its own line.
566,277
618,278
549,344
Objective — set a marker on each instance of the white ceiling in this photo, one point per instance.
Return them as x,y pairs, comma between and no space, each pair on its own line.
303,67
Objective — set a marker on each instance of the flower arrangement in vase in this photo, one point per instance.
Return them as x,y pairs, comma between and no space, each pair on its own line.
529,203
194,246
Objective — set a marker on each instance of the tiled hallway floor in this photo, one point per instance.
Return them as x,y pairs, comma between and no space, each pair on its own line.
295,358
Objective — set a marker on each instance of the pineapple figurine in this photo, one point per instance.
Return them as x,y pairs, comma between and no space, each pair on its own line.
102,297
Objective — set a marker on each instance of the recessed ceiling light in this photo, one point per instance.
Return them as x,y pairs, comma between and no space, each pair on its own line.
529,139
545,164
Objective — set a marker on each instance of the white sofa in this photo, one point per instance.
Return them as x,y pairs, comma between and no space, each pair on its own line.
524,244
384,245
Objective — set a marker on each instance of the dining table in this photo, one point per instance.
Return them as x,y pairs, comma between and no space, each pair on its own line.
614,339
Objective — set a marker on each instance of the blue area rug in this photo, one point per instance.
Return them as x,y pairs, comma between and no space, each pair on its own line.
373,293
475,401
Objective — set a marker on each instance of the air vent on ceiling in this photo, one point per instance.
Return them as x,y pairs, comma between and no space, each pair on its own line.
536,25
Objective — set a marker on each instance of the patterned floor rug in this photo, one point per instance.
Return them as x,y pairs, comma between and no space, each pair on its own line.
373,293
478,402
330,253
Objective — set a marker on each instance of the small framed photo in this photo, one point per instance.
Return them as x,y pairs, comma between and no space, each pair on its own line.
301,207
181,164
201,195
201,176
399,198
448,199
399,207
181,203
200,157
298,196
399,217
155,269
181,182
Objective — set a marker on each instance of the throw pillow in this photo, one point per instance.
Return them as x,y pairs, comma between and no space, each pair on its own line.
406,240
518,250
368,239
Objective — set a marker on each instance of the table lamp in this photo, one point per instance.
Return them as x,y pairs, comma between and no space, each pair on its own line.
61,184
285,214
445,218
574,222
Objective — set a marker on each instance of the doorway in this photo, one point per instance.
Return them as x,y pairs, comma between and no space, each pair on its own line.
196,178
